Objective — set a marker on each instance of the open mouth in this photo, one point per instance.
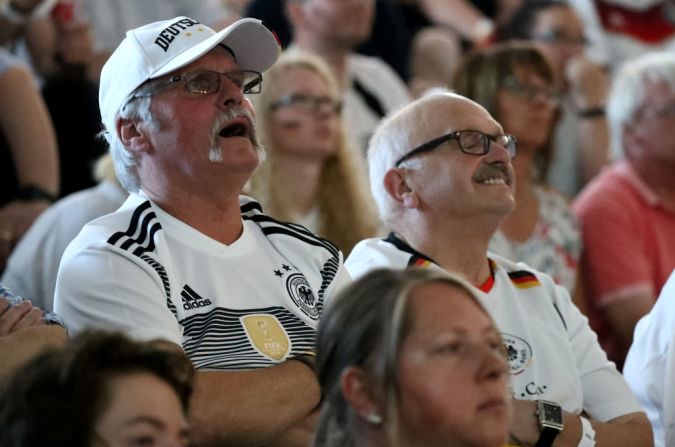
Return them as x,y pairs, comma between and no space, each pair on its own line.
236,129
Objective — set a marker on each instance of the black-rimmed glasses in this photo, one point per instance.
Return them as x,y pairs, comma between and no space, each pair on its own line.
471,142
308,103
206,81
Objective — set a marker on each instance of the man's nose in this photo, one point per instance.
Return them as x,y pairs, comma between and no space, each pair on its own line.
230,93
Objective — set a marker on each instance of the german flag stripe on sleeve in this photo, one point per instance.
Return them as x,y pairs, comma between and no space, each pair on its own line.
419,262
524,279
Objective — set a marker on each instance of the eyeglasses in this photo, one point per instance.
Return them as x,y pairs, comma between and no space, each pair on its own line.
308,103
558,37
206,81
530,92
471,142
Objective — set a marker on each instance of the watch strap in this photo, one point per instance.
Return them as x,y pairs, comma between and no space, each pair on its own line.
547,436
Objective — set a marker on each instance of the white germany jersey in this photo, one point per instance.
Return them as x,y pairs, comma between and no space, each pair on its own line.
552,352
246,305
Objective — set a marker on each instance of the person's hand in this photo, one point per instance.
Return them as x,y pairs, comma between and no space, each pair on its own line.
19,316
524,423
588,83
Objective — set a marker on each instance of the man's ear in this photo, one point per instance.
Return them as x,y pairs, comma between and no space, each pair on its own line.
398,188
358,392
132,135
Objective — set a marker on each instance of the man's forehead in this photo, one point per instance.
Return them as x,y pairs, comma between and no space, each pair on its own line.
443,114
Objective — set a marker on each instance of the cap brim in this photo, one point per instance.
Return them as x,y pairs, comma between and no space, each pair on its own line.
255,47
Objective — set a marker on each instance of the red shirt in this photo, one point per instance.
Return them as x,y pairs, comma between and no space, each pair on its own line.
629,242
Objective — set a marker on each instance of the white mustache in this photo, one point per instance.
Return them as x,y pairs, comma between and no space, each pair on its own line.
215,153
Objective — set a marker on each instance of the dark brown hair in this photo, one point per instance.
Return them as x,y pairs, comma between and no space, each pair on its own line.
57,398
484,71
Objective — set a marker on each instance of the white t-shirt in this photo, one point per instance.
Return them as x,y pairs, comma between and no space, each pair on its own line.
650,365
31,269
553,353
370,76
246,305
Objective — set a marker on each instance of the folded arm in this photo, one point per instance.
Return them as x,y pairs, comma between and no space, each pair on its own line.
266,406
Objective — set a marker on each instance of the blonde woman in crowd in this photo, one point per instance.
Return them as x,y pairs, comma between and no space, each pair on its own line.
411,358
311,175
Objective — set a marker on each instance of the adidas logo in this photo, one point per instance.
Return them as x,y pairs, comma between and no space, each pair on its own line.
192,300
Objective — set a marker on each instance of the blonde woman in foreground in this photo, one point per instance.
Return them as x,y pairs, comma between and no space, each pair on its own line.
411,358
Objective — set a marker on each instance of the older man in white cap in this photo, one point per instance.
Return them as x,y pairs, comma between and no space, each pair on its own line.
186,259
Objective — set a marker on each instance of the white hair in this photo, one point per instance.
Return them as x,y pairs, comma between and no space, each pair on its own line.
125,161
391,140
629,91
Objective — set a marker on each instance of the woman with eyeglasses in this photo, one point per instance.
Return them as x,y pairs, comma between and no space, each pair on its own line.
311,175
411,358
514,82
581,138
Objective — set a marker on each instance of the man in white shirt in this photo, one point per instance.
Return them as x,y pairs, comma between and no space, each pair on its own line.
650,365
188,261
441,175
333,29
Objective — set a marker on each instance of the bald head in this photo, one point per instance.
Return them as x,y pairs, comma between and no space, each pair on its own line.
417,123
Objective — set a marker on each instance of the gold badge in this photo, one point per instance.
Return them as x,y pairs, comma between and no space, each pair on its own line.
267,335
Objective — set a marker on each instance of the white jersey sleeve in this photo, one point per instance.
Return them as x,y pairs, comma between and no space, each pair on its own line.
606,394
650,365
97,287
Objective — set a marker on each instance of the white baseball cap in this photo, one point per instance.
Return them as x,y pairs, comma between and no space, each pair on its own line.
159,48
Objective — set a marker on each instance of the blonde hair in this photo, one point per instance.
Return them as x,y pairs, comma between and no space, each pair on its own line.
104,169
346,213
365,327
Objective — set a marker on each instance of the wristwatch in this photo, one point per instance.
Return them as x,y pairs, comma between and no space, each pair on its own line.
550,422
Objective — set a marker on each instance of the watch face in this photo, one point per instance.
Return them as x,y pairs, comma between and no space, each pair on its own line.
552,413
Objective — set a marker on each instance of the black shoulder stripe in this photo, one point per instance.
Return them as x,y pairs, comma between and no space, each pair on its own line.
555,306
133,225
150,246
328,273
143,234
262,218
251,206
317,242
520,274
161,271
149,225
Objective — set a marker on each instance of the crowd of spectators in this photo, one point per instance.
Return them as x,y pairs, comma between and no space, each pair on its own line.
208,185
